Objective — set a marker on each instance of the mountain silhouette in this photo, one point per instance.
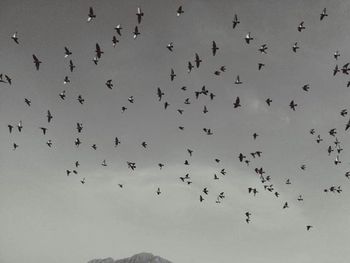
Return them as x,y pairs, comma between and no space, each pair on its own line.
138,258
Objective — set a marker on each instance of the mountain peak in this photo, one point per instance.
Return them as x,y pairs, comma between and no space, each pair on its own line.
143,257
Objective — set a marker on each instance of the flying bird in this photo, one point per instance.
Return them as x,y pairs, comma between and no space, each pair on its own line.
118,28
248,38
136,32
114,41
179,11
98,51
323,14
49,116
172,75
295,47
292,105
139,15
214,48
301,26
15,38
67,52
197,60
238,80
37,62
235,21
170,46
91,14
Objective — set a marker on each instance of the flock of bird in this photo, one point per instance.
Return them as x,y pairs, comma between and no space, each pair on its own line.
244,158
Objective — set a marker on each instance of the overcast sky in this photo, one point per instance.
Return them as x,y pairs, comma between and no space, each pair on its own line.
46,216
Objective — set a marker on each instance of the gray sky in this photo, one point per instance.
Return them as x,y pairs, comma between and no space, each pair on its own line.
46,216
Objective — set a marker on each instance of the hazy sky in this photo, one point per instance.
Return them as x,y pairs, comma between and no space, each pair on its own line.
46,216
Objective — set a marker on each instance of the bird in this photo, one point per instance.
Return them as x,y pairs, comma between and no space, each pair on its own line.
292,105
160,94
263,49
8,79
238,80
179,11
235,21
15,37
118,28
301,26
10,128
214,48
43,130
139,15
323,14
306,87
144,144
49,143
131,99
197,60
67,52
172,75
268,101
20,126
27,101
116,142
190,152
295,47
248,38
158,191
66,80
114,41
347,125
170,46
205,110
91,14
285,205
201,199
83,181
237,104
71,66
49,116
77,142
15,146
189,67
166,105
255,135
347,174
336,54
308,227
241,157
79,127
98,50
336,70
37,62
95,60
109,84
136,32
337,161
260,66
80,99
63,95
104,163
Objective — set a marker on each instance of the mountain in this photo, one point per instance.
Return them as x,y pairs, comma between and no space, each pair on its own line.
138,258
